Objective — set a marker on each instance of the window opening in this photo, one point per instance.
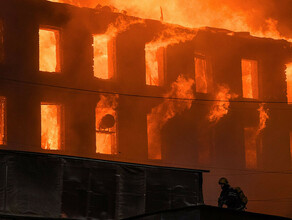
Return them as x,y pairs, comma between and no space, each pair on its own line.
49,53
249,70
51,126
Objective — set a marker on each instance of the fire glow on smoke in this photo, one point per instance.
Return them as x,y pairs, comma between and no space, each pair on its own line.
159,115
253,139
222,103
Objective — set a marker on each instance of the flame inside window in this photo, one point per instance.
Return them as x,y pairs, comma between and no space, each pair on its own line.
105,118
103,56
249,70
51,118
201,75
2,120
159,116
250,135
289,81
49,59
154,60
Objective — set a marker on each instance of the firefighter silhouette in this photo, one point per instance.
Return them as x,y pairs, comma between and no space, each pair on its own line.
232,198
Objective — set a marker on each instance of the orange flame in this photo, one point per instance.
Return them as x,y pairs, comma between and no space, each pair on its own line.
263,117
253,144
2,120
51,126
155,51
289,81
103,45
201,75
249,78
221,106
106,137
100,45
227,14
48,50
159,115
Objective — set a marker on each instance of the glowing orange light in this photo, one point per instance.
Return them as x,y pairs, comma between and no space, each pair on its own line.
289,81
263,117
154,59
49,59
102,67
249,70
250,135
159,115
221,106
201,75
2,120
51,118
105,119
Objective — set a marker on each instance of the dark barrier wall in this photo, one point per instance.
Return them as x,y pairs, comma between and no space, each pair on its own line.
58,186
205,213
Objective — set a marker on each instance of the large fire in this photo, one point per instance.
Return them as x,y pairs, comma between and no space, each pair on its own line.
106,125
257,17
155,52
181,89
222,103
51,120
49,57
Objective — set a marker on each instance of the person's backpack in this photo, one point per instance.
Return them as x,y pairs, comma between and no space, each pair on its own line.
241,195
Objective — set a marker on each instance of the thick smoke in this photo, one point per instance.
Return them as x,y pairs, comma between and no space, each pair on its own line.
260,17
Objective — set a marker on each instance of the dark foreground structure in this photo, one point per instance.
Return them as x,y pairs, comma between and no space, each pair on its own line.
57,186
205,213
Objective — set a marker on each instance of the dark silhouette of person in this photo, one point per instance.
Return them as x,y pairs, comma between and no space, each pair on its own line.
232,198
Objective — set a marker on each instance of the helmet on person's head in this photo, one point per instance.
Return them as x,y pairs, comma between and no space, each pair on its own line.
223,180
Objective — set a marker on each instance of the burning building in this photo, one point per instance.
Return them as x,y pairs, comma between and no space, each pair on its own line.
99,84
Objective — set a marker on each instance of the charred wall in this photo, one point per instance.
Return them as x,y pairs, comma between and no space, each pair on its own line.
189,138
77,89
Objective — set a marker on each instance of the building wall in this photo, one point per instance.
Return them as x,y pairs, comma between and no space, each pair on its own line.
188,139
